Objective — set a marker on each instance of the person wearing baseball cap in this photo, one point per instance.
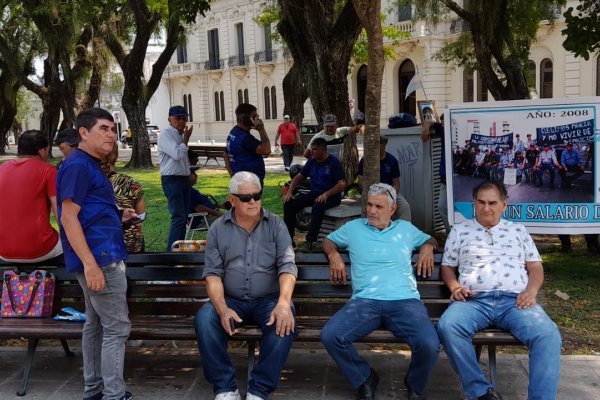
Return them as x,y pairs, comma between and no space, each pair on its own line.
175,170
290,135
67,140
334,136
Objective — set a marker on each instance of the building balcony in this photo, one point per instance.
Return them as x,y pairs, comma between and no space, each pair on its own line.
185,69
265,56
214,64
238,61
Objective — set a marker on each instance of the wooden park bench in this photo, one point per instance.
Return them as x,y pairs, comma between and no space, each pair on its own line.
211,152
166,290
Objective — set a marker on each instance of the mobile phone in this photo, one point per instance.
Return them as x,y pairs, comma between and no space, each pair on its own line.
137,220
232,324
248,121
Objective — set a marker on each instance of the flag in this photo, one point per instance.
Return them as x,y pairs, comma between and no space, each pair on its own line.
414,84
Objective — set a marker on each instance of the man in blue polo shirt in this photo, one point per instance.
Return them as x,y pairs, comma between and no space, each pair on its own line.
570,161
384,293
93,245
389,172
327,180
245,152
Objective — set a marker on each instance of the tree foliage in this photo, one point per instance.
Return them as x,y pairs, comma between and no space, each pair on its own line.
360,53
496,41
583,28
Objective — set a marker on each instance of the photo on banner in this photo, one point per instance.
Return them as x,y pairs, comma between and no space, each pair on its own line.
542,150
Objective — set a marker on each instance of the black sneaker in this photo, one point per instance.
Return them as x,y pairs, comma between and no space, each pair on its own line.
410,393
128,396
366,391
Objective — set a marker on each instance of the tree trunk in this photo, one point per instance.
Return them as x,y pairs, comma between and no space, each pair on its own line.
9,86
368,12
135,109
321,37
294,91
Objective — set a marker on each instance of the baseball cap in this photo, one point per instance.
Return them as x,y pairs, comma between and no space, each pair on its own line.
329,120
178,111
569,144
286,116
69,136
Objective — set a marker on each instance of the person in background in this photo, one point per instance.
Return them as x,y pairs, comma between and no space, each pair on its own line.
245,152
519,145
250,274
67,141
202,203
591,241
28,187
570,161
389,173
175,170
546,162
334,136
92,238
129,194
290,135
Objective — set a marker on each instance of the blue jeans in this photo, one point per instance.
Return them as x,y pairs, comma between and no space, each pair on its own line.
212,343
177,190
105,332
406,319
497,309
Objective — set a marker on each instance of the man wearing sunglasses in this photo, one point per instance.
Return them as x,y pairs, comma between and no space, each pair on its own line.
494,273
250,276
327,180
384,293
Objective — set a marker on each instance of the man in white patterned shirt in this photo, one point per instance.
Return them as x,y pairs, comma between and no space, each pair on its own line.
494,273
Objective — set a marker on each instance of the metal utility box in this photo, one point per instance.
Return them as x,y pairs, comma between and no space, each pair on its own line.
419,178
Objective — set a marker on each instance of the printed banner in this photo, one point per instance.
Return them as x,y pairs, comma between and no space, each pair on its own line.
503,141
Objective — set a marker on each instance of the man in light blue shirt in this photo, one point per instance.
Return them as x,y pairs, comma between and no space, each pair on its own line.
174,170
384,293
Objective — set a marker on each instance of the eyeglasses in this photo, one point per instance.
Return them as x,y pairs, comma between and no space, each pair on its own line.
376,186
490,237
245,198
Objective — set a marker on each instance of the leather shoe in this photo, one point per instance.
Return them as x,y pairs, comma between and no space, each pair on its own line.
410,393
366,391
490,395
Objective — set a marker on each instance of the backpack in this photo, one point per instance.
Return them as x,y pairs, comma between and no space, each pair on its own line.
401,120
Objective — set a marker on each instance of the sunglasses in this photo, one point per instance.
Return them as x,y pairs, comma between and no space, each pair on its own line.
245,198
378,186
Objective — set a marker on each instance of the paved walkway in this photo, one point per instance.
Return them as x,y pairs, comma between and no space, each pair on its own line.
161,372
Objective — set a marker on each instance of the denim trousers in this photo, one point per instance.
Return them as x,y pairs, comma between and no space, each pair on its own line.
105,332
406,319
212,343
316,215
498,309
177,190
288,154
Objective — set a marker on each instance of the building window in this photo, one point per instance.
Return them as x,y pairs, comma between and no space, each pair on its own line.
468,87
182,53
268,43
189,107
273,102
546,79
267,93
240,97
404,13
219,106
222,95
405,74
213,49
239,30
246,96
361,86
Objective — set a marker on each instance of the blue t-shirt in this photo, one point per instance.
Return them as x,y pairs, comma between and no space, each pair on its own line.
81,180
381,259
323,175
241,150
388,168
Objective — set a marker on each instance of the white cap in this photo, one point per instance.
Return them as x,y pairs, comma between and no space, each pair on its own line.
286,116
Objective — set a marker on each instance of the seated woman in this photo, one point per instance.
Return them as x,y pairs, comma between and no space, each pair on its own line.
129,194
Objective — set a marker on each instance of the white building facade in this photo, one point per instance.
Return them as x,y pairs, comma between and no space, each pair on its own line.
228,58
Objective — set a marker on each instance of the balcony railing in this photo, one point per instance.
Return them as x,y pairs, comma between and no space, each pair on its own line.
238,61
265,56
214,64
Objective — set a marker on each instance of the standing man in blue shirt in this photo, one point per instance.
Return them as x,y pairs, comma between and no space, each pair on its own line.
327,180
570,161
384,293
244,151
93,245
175,170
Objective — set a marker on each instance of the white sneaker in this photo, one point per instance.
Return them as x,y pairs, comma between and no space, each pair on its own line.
250,396
229,396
